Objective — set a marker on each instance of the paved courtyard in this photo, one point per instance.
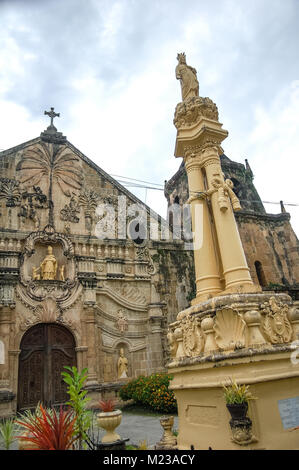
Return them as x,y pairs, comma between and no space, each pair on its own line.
136,426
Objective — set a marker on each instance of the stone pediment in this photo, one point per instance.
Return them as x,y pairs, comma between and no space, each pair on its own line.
56,184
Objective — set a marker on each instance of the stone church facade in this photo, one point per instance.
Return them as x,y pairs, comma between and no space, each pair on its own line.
79,287
80,281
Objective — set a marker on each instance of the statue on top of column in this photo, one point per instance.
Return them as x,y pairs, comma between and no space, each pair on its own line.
188,78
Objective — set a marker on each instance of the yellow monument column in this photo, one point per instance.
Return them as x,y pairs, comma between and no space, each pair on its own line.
199,135
205,254
232,330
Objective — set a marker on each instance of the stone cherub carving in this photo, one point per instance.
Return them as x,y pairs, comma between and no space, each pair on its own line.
188,78
122,365
225,194
35,276
61,273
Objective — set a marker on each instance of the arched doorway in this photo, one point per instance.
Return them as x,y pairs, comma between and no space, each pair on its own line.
45,349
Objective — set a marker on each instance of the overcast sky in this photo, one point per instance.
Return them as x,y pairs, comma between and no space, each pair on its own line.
108,68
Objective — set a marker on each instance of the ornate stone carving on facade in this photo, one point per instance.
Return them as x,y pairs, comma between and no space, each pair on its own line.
46,312
121,322
48,285
69,212
32,202
51,163
276,324
89,200
131,293
230,329
10,191
143,255
190,111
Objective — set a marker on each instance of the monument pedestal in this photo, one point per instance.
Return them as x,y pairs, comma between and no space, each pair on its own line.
247,338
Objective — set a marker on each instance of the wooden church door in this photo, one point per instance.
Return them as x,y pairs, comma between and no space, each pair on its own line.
45,349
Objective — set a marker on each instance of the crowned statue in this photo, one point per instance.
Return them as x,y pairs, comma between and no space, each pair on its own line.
188,78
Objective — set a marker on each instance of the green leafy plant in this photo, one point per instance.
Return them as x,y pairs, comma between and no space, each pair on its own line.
236,394
7,431
49,430
107,405
152,392
78,401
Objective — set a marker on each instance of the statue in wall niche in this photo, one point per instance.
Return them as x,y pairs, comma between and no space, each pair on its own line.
122,365
49,266
188,78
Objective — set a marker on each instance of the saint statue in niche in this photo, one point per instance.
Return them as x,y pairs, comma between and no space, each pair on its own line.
48,266
188,78
122,365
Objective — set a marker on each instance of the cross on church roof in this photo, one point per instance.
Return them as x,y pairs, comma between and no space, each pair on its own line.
50,134
52,115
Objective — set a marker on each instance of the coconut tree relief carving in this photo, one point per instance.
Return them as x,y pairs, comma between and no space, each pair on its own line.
54,163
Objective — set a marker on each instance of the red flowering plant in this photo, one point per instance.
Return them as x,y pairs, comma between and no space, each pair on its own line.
107,406
48,429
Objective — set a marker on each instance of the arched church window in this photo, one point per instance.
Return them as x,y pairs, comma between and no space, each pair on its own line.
260,273
177,200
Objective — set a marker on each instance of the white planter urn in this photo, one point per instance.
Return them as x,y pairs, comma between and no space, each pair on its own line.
109,421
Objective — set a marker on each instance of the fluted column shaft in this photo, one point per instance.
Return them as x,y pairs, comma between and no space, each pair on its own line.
206,266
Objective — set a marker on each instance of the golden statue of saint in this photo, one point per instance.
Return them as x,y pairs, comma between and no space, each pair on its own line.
188,78
122,365
48,266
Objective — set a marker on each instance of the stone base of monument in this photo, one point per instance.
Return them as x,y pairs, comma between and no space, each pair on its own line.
116,445
250,338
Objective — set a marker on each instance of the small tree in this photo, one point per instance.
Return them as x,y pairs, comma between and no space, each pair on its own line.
78,401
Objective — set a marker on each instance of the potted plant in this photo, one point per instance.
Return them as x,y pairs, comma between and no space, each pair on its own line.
109,418
48,430
237,397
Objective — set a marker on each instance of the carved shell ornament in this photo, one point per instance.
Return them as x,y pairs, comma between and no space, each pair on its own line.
229,329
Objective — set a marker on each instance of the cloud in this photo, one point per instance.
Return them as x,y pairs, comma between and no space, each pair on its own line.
108,68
